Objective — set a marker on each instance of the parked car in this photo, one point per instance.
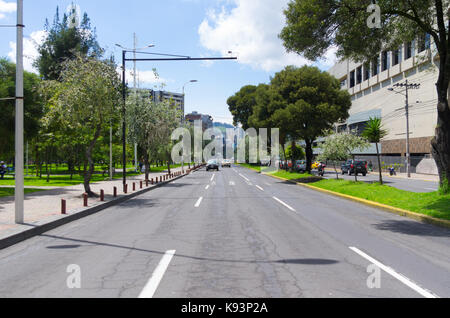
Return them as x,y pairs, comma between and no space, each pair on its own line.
226,163
354,166
212,164
300,166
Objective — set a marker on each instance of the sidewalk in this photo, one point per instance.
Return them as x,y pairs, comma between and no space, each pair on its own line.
43,205
415,176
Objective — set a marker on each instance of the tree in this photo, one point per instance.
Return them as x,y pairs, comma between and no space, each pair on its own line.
83,103
374,132
33,110
65,42
294,152
338,147
241,105
150,125
309,101
314,26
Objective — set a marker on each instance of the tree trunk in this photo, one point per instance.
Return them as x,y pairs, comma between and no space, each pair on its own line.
337,174
284,155
309,154
440,145
356,177
379,164
168,166
147,165
88,173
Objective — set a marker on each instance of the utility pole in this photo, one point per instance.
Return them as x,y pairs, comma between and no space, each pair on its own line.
407,86
19,187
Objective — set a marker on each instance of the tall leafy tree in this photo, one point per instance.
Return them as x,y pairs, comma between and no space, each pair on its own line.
83,103
307,102
65,41
33,110
314,26
374,133
241,105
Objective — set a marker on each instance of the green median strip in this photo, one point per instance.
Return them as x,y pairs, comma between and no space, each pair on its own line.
430,204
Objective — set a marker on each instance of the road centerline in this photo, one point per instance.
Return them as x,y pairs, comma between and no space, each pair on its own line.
153,283
197,204
259,187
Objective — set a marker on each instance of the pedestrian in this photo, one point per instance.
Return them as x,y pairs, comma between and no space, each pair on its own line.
370,166
2,169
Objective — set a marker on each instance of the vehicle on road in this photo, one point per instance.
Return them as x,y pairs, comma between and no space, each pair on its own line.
226,163
212,164
354,166
300,166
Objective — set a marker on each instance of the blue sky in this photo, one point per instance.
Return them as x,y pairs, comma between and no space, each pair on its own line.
197,28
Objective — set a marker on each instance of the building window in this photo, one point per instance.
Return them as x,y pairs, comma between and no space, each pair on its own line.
366,71
409,49
375,66
358,128
423,42
384,61
352,78
396,57
344,83
359,75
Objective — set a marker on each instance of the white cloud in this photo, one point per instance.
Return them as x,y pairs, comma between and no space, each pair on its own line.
30,52
250,29
7,7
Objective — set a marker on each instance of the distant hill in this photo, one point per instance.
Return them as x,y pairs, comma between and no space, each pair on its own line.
222,127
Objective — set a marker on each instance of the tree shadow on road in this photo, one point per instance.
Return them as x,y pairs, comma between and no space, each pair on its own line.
412,228
299,261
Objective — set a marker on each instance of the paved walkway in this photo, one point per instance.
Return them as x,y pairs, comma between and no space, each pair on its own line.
41,205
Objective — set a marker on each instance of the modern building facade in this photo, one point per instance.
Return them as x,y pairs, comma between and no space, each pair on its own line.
207,120
175,98
369,83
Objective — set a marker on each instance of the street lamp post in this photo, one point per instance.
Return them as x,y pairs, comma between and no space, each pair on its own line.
407,86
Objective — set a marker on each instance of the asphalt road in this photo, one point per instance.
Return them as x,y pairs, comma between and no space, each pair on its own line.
232,233
413,185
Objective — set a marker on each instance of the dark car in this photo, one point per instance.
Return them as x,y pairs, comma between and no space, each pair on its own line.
212,164
354,166
300,166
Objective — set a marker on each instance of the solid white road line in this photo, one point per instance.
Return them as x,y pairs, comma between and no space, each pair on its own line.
212,178
206,188
152,284
400,277
259,187
197,204
244,177
289,207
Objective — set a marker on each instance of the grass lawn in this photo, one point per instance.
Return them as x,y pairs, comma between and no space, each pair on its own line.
60,180
431,203
5,192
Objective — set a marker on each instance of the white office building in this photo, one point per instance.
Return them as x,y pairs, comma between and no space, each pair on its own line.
369,84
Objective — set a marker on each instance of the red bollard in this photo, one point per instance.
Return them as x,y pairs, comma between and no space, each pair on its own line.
134,186
140,184
152,181
102,195
115,192
63,206
85,199
146,182
125,188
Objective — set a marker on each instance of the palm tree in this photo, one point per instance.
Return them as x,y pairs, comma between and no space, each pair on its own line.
374,132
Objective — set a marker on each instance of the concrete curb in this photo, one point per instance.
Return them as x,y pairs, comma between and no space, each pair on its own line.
44,226
384,207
